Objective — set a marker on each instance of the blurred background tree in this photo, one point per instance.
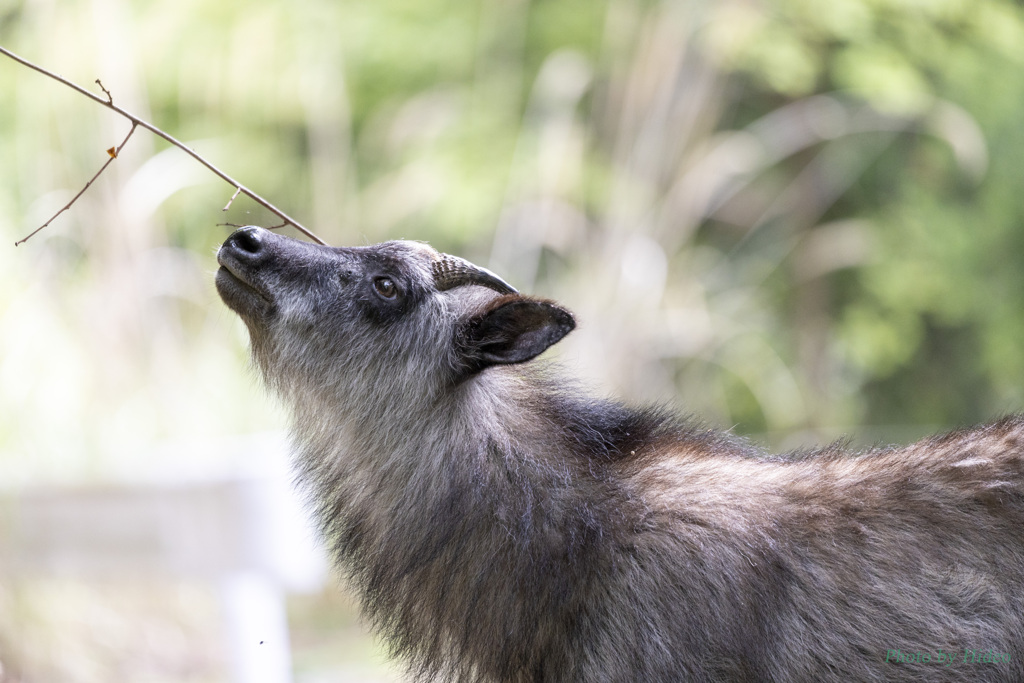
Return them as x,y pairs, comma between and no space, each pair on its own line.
791,218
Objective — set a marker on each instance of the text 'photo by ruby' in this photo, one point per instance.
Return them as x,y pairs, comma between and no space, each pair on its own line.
950,658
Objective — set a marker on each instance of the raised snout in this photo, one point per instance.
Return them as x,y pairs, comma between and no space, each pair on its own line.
239,281
244,246
248,239
258,267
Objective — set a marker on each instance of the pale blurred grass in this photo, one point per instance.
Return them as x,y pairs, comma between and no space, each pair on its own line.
77,632
146,631
330,644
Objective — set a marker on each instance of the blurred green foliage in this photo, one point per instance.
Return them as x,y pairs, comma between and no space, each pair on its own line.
790,217
930,325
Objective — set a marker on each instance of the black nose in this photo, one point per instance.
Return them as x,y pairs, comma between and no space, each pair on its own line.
248,239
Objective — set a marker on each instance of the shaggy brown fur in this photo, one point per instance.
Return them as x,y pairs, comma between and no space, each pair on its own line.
499,526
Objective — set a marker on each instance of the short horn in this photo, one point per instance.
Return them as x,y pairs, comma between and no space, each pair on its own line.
452,271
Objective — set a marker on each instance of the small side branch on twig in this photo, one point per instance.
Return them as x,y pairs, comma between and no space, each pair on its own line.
112,153
110,98
137,122
231,201
269,227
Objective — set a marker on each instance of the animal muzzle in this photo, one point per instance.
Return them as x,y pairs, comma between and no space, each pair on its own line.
242,256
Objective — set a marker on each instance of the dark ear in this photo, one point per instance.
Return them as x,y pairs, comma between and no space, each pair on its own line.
514,329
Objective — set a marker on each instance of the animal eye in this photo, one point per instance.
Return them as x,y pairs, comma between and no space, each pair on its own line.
386,287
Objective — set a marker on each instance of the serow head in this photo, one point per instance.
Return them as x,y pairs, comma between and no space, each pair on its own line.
337,314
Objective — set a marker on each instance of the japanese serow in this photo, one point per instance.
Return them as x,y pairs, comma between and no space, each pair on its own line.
499,525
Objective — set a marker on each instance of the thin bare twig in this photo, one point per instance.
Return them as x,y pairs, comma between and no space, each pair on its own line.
112,153
231,201
136,121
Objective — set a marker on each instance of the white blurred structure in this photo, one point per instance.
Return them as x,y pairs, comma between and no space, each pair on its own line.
237,524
